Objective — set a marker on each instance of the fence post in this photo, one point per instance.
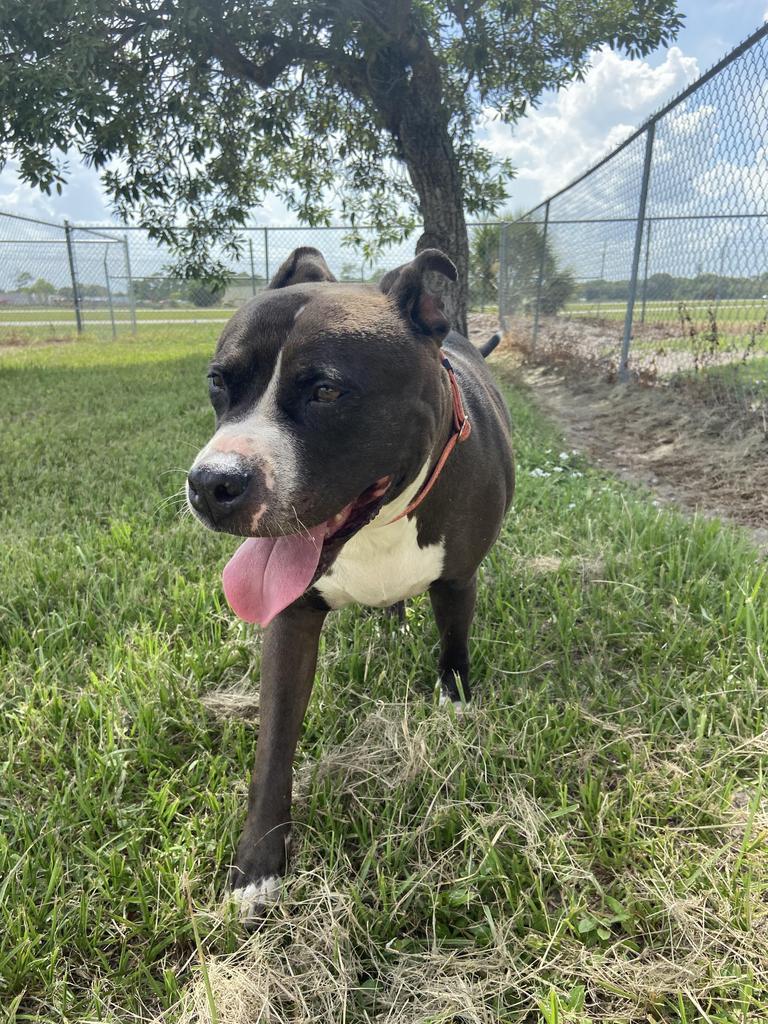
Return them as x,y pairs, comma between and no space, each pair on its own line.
540,279
501,287
645,273
253,268
639,230
720,269
73,275
109,292
131,295
266,255
602,274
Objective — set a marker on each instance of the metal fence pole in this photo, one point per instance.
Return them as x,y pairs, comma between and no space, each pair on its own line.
645,272
602,275
540,279
109,292
131,294
720,271
266,255
502,282
639,231
73,275
253,267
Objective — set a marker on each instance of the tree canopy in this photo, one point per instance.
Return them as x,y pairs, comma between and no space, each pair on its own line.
194,109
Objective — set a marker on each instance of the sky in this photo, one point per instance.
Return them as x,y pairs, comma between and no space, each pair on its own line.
567,132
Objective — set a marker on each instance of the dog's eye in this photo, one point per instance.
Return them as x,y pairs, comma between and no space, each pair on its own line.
326,393
215,380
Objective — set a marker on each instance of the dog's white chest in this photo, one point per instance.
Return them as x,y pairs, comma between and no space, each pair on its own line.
381,565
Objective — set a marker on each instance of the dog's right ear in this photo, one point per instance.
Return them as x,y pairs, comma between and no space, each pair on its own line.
405,287
303,265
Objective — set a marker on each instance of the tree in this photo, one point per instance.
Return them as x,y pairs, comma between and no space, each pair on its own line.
556,292
529,256
92,291
39,290
484,264
203,293
352,272
153,290
192,110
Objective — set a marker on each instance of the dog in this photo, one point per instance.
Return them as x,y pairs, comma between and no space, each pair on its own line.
363,449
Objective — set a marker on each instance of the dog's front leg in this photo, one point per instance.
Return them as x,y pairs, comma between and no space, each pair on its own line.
453,603
288,665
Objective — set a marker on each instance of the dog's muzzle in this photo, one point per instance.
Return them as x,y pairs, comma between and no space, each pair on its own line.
217,493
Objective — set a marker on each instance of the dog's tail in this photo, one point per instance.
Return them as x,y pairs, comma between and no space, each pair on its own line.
490,345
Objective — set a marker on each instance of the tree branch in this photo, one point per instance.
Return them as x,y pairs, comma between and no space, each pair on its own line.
286,52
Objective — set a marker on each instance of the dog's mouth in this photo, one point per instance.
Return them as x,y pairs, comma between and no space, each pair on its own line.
266,574
357,513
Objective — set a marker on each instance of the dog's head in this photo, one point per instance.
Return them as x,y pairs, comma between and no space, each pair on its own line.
328,399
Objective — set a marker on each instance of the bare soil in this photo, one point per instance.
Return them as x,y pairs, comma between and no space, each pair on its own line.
703,458
689,455
481,326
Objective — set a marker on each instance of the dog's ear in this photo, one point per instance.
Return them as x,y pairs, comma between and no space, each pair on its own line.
405,286
303,265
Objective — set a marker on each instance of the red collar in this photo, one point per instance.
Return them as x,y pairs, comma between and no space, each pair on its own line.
462,428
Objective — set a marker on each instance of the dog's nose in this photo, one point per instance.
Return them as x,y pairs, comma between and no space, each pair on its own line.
217,491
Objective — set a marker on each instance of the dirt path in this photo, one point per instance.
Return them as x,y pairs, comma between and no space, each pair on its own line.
687,454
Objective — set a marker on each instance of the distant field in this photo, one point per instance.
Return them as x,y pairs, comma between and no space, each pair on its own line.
742,310
741,332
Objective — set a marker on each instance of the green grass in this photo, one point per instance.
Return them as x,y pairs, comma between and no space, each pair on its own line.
587,842
753,373
48,325
57,313
177,332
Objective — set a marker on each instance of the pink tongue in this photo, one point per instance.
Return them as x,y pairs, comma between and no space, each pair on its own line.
266,574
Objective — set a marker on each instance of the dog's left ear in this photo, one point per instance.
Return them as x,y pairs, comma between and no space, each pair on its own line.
303,265
405,286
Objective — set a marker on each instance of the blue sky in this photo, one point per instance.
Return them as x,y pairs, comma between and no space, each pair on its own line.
568,131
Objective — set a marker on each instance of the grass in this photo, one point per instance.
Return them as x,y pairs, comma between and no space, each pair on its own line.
54,324
55,313
752,373
587,843
96,332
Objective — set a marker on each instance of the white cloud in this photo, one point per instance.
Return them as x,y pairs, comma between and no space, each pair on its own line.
683,122
82,200
574,128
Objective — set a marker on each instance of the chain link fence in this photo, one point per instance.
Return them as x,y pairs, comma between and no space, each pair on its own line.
58,280
653,265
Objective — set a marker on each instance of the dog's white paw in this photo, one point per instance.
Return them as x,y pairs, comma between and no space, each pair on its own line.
458,707
251,900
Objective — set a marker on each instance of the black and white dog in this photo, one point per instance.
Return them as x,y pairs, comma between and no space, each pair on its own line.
364,451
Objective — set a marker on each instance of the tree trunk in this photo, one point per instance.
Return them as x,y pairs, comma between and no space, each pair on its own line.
406,88
434,172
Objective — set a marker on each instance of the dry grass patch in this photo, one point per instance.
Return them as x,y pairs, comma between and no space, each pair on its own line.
687,919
